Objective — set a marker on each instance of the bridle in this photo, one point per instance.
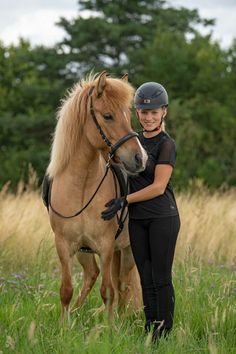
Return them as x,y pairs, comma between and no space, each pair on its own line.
113,149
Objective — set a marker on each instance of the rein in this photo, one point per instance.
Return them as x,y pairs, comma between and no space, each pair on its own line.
113,149
86,205
122,218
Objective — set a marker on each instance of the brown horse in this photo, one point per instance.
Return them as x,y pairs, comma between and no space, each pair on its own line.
93,120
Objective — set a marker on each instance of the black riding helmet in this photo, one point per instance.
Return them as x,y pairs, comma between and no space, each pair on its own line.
150,95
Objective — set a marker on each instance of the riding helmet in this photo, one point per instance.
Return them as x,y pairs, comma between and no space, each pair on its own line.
150,95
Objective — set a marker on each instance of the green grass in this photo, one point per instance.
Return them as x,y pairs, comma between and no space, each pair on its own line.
205,318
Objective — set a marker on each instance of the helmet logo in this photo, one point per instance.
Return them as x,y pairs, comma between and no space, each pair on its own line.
146,100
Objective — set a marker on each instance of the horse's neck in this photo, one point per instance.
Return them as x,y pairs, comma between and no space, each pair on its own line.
72,189
87,165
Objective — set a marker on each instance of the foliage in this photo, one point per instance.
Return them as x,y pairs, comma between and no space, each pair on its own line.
117,34
152,41
31,85
204,317
30,313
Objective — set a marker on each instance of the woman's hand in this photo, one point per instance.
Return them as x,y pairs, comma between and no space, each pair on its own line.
112,207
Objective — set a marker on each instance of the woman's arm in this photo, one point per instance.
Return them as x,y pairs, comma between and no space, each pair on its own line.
162,177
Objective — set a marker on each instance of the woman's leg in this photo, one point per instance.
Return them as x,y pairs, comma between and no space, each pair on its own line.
163,234
139,240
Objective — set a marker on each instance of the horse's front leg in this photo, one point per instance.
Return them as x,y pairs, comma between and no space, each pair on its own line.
91,272
107,289
66,290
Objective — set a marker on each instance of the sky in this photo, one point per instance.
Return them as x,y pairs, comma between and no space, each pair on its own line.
35,19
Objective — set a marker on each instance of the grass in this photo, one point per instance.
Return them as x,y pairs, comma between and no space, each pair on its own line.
204,279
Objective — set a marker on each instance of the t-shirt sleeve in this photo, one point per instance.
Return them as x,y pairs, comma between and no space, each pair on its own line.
167,153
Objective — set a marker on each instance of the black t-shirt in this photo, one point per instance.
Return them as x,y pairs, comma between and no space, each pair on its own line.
161,149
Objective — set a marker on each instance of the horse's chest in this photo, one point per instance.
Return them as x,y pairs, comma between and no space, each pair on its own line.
83,227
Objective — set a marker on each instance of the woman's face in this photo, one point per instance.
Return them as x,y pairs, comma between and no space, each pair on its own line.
151,118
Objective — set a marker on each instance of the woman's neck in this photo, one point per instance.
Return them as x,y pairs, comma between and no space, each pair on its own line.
151,134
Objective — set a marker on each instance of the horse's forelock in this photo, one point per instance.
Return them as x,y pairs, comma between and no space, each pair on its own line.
118,92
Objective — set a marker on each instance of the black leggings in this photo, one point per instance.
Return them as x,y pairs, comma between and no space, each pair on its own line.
153,245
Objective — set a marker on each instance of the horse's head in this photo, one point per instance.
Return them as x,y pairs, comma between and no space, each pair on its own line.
109,125
97,110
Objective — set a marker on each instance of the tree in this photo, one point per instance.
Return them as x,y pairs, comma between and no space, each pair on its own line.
31,88
118,33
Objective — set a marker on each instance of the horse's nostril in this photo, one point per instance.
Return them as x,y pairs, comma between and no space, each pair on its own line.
138,160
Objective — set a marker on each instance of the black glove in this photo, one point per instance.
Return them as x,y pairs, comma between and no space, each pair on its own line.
112,207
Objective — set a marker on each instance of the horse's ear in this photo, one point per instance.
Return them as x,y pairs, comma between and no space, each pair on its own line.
101,83
125,77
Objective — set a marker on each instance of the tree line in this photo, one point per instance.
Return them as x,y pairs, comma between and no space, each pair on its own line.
152,41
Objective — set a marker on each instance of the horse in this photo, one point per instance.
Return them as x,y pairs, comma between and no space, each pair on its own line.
93,128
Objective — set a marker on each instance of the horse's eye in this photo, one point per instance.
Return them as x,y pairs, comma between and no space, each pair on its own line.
107,116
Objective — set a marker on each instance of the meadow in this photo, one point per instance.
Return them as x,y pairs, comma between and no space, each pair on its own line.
204,278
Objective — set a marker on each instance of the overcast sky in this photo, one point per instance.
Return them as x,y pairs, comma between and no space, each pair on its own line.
35,19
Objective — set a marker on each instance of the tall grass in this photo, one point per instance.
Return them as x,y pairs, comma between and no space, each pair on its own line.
204,278
208,231
208,226
24,227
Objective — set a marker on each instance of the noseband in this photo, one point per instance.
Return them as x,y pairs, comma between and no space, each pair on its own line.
115,147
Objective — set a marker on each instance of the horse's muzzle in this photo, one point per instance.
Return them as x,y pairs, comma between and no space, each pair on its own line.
133,163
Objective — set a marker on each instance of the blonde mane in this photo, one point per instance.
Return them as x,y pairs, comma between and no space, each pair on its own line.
73,113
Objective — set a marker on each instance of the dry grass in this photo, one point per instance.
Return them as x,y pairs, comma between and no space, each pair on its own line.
208,230
24,225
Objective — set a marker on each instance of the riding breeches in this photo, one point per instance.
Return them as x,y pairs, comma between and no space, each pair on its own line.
153,244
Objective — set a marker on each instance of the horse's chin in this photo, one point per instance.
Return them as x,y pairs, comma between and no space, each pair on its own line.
130,171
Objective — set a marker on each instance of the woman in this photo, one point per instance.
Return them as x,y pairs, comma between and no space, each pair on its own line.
153,214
